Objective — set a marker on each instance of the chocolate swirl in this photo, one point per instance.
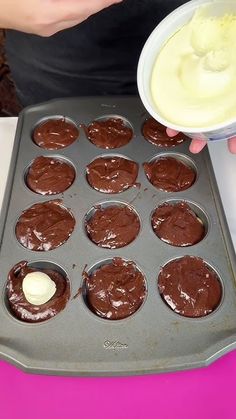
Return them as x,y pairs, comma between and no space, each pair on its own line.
110,133
177,224
169,174
55,134
26,311
113,227
189,287
112,174
116,290
44,226
155,133
49,176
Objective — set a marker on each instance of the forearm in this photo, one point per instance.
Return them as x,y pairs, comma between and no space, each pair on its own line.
46,17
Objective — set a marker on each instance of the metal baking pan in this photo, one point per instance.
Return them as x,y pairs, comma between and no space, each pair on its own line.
154,339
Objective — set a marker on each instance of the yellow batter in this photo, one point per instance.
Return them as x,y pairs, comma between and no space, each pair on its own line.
193,81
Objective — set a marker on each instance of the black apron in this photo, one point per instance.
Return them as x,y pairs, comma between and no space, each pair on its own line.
97,57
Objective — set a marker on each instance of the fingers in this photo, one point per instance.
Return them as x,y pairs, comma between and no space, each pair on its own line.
197,145
232,145
171,132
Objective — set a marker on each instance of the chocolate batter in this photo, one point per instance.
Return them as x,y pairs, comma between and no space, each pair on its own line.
26,311
115,290
155,133
190,287
112,174
109,133
49,176
113,227
177,224
169,174
44,226
55,134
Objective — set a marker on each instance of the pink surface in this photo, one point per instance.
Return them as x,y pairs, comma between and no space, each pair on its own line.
203,393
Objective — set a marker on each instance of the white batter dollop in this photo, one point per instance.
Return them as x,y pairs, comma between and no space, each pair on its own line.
38,288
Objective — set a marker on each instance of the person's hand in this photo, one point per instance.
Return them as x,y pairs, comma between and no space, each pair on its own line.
46,17
197,145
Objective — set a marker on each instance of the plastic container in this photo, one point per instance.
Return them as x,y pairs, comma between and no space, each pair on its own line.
167,27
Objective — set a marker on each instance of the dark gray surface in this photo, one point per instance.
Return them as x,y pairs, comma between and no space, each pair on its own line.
155,339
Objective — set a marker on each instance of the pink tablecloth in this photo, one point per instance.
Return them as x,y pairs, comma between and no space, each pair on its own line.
202,393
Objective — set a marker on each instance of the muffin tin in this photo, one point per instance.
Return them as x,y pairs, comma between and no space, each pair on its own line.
154,339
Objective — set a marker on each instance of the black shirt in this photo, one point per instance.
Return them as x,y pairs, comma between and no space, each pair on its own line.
97,57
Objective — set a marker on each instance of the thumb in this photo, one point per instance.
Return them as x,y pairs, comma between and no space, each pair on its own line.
197,145
171,132
232,145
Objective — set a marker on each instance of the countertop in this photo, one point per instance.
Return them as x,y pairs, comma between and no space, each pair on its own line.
202,393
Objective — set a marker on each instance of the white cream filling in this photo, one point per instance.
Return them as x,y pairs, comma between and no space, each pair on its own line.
38,288
193,81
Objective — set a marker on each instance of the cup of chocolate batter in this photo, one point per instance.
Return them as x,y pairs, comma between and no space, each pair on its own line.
209,114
